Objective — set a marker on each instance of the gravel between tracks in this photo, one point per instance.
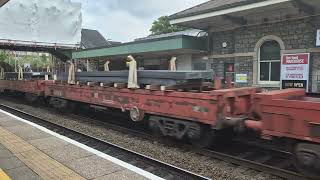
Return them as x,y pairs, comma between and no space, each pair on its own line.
208,167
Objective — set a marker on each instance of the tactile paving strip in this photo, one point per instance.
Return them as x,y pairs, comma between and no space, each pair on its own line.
40,163
3,175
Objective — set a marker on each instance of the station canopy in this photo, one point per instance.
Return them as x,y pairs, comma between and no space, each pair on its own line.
217,15
147,47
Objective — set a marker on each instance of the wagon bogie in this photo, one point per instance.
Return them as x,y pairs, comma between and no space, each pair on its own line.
307,159
291,115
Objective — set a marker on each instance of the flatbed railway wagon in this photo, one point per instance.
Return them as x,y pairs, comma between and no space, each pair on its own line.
31,89
289,115
293,117
196,116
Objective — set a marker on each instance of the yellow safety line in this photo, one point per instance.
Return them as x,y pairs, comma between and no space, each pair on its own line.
45,166
3,175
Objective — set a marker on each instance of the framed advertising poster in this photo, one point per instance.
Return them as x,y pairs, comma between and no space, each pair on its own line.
295,71
241,78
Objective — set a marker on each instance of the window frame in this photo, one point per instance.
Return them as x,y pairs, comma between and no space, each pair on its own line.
270,67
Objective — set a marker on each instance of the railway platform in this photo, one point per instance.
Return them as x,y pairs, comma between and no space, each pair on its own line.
29,151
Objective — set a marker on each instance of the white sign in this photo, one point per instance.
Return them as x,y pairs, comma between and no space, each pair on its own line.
295,70
295,67
318,38
241,78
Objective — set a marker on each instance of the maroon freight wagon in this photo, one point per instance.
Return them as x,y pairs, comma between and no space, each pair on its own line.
292,115
32,89
173,113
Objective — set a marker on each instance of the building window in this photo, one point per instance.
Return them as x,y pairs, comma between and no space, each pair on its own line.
270,62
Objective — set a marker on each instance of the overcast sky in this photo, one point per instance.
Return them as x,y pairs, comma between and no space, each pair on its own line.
125,20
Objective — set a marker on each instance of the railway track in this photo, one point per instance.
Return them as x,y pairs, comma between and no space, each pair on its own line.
260,158
268,161
151,165
257,158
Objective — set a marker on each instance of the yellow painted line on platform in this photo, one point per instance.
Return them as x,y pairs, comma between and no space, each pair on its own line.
39,162
3,175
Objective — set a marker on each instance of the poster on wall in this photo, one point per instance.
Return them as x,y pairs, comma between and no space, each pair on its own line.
295,71
241,78
318,38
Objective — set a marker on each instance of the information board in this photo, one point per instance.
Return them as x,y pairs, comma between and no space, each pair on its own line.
295,70
241,78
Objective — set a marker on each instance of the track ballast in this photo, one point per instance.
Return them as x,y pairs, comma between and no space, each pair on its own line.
151,165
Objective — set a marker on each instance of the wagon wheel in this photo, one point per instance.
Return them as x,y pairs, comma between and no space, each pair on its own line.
155,129
306,160
225,136
207,138
136,115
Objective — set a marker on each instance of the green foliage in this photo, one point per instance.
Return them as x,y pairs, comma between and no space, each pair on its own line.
163,26
4,57
8,61
35,61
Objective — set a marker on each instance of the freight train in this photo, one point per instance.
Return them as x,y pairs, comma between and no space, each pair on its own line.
290,115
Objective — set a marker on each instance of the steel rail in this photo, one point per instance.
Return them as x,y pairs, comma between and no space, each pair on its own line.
215,154
280,172
149,164
283,173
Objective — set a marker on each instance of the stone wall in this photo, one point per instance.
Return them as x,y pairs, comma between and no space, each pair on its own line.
315,73
295,36
298,34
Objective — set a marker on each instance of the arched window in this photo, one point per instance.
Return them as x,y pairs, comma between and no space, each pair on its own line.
270,62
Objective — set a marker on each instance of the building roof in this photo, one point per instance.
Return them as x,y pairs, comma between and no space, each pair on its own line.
221,15
3,2
212,5
179,44
93,39
188,32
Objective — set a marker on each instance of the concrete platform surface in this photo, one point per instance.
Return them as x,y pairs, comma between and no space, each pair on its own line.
28,151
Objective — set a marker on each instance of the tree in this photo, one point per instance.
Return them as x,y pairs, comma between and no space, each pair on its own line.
6,61
163,26
37,62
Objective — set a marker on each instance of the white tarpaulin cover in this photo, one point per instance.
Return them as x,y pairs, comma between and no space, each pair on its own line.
44,22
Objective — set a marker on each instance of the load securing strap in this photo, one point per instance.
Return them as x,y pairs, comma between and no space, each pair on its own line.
133,73
1,72
72,74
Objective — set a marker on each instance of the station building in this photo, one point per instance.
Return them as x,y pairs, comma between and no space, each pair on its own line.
248,38
245,40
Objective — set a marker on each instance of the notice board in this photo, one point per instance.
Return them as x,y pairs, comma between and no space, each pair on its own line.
295,70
